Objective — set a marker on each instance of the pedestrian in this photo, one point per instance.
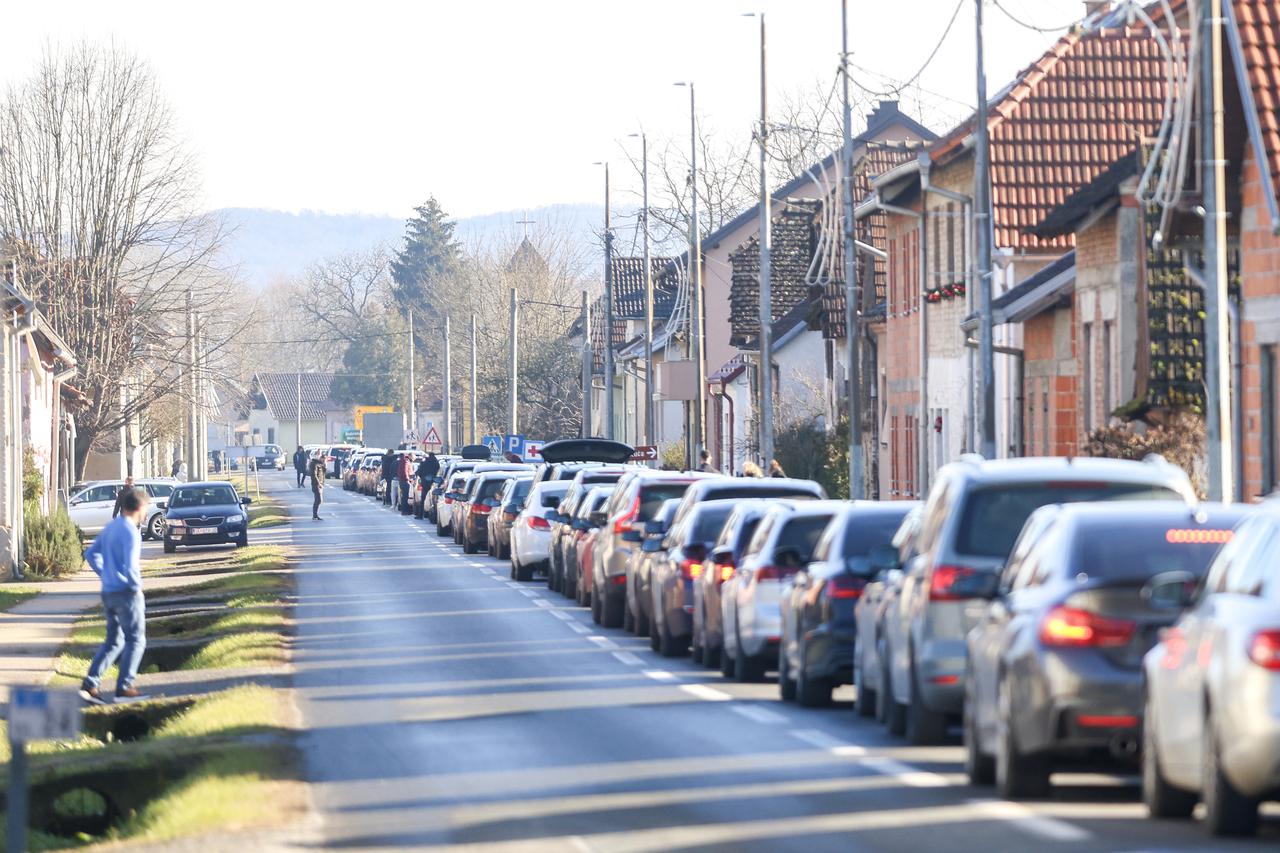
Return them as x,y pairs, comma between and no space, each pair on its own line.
177,468
403,470
317,487
128,484
751,469
115,557
704,460
775,470
388,474
300,465
428,468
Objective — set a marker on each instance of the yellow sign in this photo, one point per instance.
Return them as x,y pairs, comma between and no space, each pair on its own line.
360,412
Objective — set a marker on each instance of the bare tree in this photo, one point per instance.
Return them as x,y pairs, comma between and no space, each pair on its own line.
97,203
336,295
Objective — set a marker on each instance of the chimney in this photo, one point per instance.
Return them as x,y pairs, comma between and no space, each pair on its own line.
883,111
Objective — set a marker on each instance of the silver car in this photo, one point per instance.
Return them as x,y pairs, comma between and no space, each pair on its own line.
1212,717
974,512
876,600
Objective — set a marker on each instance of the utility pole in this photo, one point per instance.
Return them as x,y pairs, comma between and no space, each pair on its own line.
475,432
648,295
607,329
448,410
985,238
695,302
413,395
192,447
1217,362
586,366
766,271
513,417
852,289
297,415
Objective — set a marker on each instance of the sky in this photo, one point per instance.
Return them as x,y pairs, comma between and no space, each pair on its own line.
494,105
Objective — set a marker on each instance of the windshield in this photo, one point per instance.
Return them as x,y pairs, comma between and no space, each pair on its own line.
801,535
1134,550
653,497
202,496
993,516
865,532
709,522
490,488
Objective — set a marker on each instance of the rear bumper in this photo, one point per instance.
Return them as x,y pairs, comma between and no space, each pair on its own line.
829,654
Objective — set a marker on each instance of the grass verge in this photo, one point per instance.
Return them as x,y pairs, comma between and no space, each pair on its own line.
266,511
11,595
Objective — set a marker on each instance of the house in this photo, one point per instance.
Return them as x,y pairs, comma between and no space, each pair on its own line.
277,399
36,366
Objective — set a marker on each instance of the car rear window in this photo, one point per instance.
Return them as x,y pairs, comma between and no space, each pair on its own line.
1134,550
863,533
490,487
596,479
993,516
802,533
709,522
551,497
722,493
653,497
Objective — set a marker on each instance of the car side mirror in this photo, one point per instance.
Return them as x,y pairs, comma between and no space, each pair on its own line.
1171,590
631,536
246,501
77,502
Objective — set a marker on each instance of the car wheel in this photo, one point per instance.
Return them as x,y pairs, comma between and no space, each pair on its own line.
156,527
925,727
1162,799
864,701
811,692
711,656
1226,810
169,547
243,540
417,510
727,666
978,766
613,612
628,619
467,547
670,646
441,531
597,612
654,643
884,695
786,687
746,669
1018,776
523,573
641,622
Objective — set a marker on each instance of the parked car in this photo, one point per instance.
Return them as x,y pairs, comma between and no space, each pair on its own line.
783,544
206,514
556,454
562,531
370,473
877,598
531,534
351,466
482,500
269,457
335,456
596,519
818,628
640,569
436,494
639,494
708,630
586,518
1211,724
1055,662
671,578
721,488
973,514
452,494
510,500
90,508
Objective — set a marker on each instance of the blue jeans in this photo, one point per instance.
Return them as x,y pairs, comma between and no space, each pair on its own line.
126,632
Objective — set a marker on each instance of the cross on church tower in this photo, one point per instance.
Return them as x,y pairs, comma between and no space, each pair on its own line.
526,222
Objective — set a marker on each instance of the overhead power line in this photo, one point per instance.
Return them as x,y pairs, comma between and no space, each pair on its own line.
910,81
1028,25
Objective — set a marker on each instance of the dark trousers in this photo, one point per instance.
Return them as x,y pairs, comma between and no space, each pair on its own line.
404,495
386,495
302,478
315,504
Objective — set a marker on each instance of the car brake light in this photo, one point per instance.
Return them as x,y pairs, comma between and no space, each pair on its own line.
1175,647
448,500
480,509
537,522
622,524
1072,627
1264,649
691,568
945,585
768,573
726,571
1107,721
618,580
845,586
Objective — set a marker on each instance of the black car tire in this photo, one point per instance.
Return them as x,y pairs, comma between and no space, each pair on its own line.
242,541
727,666
597,612
169,547
895,713
641,622
978,766
613,612
864,700
1162,799
883,693
654,643
786,685
811,692
746,669
696,651
1018,776
628,619
440,530
523,573
1226,810
417,510
711,655
670,646
925,727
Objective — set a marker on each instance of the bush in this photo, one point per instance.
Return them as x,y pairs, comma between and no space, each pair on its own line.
809,453
1180,439
52,545
32,482
671,457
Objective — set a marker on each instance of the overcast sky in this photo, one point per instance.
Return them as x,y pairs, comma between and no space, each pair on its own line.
372,106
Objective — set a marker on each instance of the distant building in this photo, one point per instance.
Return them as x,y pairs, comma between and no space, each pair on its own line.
276,397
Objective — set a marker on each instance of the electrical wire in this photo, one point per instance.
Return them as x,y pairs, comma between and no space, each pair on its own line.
910,81
1028,25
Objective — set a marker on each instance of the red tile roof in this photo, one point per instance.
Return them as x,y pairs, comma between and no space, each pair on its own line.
1259,25
1087,102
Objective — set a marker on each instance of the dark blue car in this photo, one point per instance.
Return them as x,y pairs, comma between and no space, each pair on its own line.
206,514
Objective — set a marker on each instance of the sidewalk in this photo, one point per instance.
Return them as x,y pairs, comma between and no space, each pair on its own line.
33,632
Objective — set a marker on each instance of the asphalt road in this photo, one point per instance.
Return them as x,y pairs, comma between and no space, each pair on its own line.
448,705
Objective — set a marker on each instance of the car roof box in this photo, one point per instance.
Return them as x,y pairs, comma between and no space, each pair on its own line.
475,451
586,450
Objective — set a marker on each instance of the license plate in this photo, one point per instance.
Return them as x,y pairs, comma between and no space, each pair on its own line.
203,531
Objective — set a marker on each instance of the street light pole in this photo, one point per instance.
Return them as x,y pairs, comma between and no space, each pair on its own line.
695,302
515,364
413,394
587,365
853,289
448,374
475,430
607,329
648,295
985,238
1217,362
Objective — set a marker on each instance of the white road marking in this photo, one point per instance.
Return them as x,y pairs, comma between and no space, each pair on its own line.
481,566
581,629
514,585
758,714
628,658
655,674
702,691
822,740
542,602
602,642
905,774
562,616
528,592
1023,818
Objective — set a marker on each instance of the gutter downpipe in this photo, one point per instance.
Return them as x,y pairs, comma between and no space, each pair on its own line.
922,448
723,394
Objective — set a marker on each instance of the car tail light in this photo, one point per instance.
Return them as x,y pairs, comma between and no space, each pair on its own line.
618,580
769,573
691,568
1264,649
448,499
947,583
726,571
845,586
1175,647
1072,627
1107,721
537,522
480,509
622,524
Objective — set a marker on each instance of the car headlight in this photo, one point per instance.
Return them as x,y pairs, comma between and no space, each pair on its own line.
175,522
234,520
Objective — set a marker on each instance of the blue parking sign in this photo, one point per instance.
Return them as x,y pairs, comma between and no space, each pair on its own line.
515,444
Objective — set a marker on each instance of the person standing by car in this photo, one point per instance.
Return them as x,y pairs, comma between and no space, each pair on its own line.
388,473
300,465
176,469
128,484
704,463
115,557
317,475
775,470
403,470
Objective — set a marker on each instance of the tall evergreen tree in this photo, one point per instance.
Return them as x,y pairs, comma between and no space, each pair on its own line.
428,258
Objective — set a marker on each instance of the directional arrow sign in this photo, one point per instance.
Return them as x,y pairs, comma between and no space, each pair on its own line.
645,453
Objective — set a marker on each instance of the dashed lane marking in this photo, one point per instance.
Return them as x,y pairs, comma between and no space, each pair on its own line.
709,694
528,592
905,774
1023,818
542,602
627,658
581,629
562,616
602,642
758,714
822,740
655,674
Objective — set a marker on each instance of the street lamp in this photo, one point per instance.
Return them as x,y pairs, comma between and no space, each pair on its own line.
766,265
607,328
695,267
648,290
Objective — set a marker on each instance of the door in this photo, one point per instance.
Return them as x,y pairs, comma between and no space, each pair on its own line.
91,510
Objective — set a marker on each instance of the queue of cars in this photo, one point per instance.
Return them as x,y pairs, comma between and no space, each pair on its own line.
1050,614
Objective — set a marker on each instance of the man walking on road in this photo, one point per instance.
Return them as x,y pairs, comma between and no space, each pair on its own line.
388,473
115,557
318,475
300,465
128,484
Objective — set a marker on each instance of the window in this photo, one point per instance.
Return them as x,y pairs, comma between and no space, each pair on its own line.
271,435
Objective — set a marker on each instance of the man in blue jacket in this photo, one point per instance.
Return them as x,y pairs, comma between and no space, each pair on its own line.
115,557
